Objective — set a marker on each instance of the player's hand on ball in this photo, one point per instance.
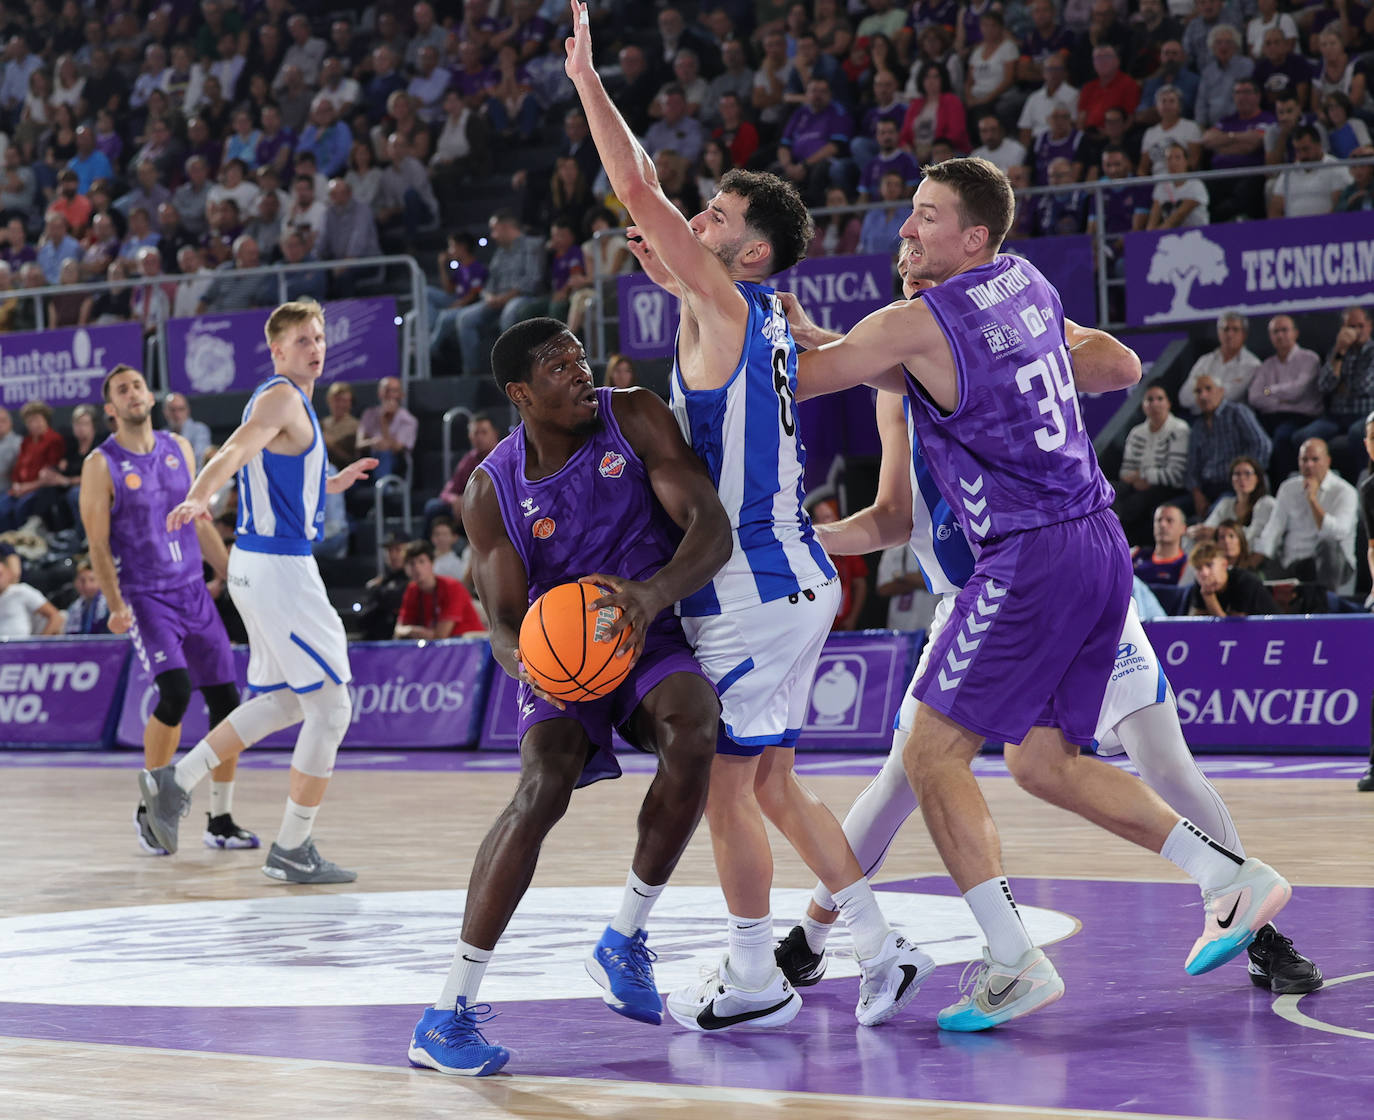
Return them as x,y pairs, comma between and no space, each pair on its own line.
121,621
539,692
638,607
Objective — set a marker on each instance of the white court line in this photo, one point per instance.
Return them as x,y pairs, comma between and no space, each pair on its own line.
1286,1007
659,1090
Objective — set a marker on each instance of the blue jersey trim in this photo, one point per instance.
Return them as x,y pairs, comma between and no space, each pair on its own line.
1163,687
255,688
733,675
320,661
772,740
275,546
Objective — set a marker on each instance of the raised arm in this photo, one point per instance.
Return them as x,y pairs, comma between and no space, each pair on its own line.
97,498
635,182
888,520
688,496
1100,362
271,413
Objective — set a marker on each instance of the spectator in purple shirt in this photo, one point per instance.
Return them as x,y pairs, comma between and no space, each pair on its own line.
530,32
814,141
1060,141
461,280
1281,69
886,107
275,144
889,157
1238,141
567,267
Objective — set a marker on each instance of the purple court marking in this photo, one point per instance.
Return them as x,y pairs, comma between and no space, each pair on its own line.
813,764
1133,1032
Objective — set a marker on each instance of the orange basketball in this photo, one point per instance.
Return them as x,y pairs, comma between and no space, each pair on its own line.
564,646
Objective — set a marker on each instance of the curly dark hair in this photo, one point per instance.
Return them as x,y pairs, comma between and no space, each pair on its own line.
775,211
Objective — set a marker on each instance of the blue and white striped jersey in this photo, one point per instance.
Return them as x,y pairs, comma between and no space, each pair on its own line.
281,497
747,435
938,542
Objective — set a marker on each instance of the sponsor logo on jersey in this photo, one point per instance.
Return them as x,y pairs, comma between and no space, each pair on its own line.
612,464
527,504
132,481
1001,337
172,461
543,528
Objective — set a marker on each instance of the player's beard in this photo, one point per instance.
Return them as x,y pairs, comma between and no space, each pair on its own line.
727,254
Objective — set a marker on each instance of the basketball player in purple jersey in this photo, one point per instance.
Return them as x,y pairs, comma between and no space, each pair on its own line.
153,583
595,484
759,627
984,357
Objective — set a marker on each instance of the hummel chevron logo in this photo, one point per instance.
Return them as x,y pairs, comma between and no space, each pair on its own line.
975,508
966,646
973,487
955,664
981,527
976,627
992,591
986,609
945,683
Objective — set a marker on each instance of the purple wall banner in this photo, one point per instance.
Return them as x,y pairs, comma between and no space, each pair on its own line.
65,367
1300,683
60,692
227,353
405,694
1067,263
835,291
1289,265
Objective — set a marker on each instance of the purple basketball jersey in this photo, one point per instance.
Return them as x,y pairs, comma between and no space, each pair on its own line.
597,514
146,489
1013,455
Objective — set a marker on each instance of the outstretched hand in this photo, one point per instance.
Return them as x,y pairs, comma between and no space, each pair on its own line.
356,471
579,45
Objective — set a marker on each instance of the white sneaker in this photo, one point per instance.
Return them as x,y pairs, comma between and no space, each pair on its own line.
890,979
1234,913
998,992
717,1003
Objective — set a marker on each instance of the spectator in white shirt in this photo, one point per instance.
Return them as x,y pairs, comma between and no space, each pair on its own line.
195,278
997,147
1312,533
1035,113
910,604
24,612
1153,466
1269,16
307,213
1181,202
1300,194
1232,365
447,562
1173,128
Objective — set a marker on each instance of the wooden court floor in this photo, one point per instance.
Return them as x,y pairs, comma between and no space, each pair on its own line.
67,845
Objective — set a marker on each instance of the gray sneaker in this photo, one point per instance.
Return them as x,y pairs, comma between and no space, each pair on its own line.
303,865
167,803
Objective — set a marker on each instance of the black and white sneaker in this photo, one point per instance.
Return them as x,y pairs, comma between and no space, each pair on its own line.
146,840
303,865
222,832
1366,782
1276,965
799,964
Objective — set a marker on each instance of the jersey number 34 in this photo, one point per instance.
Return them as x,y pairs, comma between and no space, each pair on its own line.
1051,379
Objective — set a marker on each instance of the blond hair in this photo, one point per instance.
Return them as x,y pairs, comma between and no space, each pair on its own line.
289,314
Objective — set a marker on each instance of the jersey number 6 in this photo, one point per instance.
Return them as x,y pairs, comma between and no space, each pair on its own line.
782,385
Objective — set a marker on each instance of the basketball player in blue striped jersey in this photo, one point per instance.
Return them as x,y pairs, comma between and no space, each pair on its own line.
758,627
1139,716
298,659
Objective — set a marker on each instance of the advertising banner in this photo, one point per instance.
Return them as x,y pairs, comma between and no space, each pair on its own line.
1298,682
835,291
859,685
405,694
1289,265
227,353
65,367
60,692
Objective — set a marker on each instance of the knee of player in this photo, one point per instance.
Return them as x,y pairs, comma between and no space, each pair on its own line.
542,795
687,739
173,696
776,789
1037,776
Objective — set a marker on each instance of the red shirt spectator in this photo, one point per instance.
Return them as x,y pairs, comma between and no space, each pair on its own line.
42,447
1113,88
434,606
483,435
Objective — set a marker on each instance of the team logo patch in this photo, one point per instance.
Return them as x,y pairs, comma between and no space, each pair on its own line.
132,481
612,464
543,528
172,461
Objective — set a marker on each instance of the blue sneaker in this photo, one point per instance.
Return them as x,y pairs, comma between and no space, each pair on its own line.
624,966
451,1042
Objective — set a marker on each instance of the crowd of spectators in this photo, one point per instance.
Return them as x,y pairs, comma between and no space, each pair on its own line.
1274,466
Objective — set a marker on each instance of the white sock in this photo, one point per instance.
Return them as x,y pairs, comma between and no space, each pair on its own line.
1200,857
1153,739
817,933
996,913
221,798
635,904
296,823
197,763
865,920
464,976
751,951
